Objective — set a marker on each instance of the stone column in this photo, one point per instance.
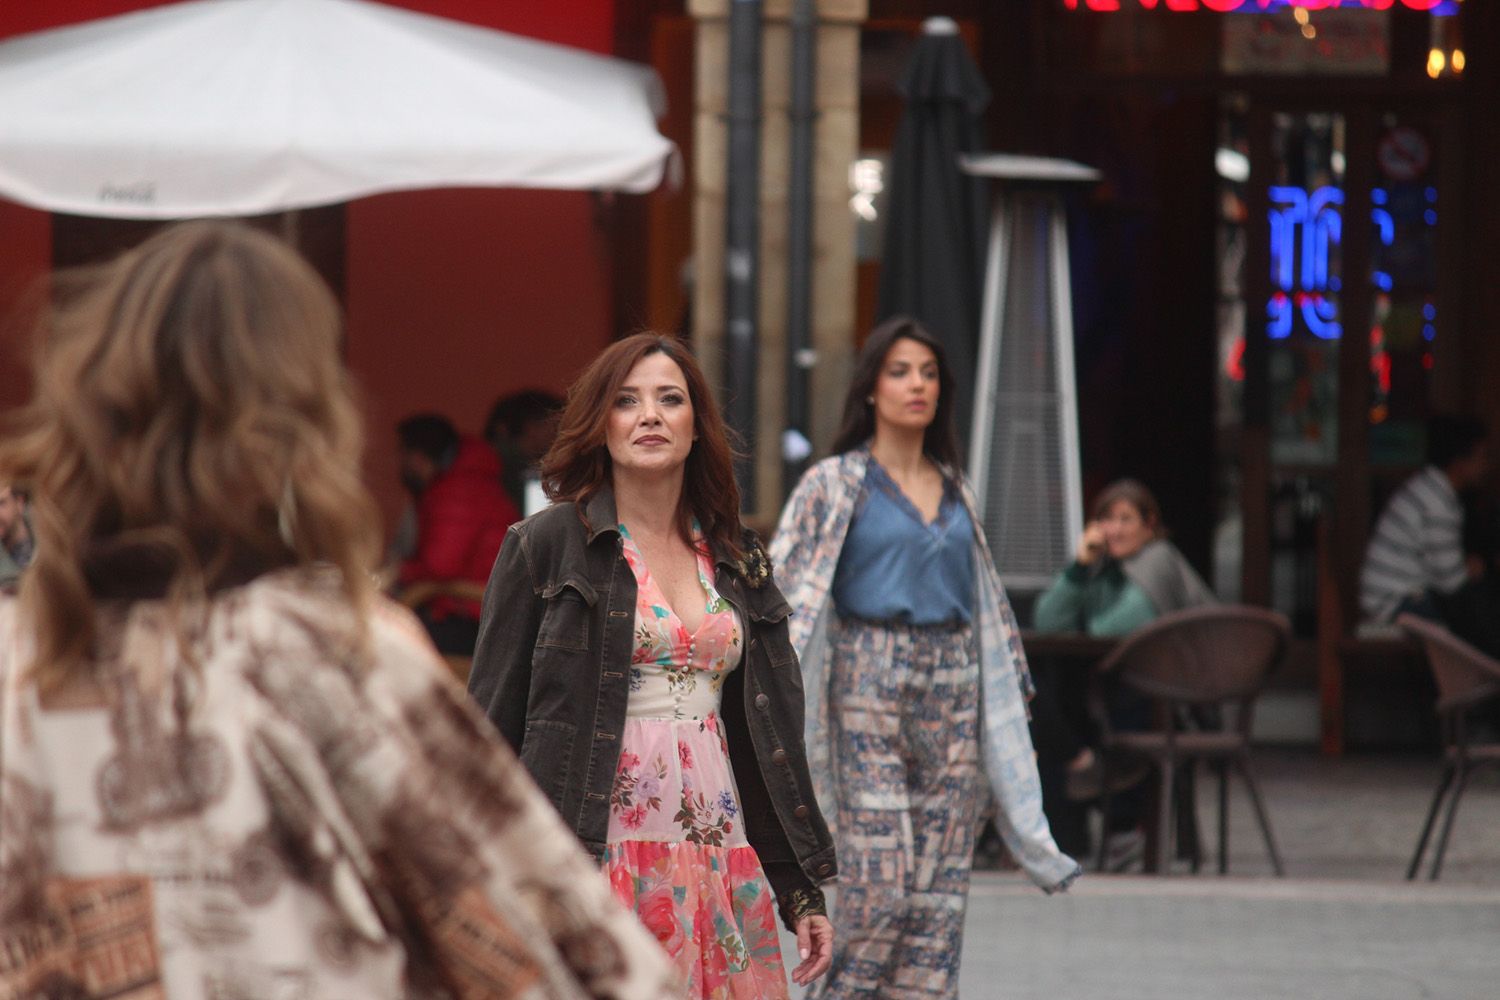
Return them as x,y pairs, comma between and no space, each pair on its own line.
833,281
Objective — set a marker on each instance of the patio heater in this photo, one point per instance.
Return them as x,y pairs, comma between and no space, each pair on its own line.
1023,442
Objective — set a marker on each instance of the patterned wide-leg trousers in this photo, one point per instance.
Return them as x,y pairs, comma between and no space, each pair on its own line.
904,709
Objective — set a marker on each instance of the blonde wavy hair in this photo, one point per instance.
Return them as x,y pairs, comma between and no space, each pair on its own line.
189,411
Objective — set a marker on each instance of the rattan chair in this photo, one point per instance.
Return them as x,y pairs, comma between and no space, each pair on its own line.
1466,678
1194,664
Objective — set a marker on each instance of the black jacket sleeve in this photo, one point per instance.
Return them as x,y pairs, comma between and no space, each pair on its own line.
500,679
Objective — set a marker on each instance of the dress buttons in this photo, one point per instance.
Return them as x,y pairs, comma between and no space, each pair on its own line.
800,812
778,757
762,702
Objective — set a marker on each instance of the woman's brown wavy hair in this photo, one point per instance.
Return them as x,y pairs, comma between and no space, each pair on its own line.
190,418
578,465
1139,496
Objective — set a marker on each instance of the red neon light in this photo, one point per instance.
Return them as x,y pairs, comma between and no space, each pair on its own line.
1234,365
1380,359
1230,6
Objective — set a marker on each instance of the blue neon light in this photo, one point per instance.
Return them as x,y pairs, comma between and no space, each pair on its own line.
1429,331
1386,224
1304,224
1279,311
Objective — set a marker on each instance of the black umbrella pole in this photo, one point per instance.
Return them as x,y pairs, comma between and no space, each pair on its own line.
742,235
799,354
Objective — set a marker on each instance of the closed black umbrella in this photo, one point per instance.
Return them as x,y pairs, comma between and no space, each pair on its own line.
932,265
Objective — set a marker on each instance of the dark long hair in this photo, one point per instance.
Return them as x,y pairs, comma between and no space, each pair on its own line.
578,464
940,441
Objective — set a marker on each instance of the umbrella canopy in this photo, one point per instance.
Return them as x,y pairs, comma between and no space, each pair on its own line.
934,238
245,107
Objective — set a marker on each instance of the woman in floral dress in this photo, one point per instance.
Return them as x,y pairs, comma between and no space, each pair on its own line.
635,649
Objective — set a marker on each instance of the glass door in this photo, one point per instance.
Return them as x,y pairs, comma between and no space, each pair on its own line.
1330,307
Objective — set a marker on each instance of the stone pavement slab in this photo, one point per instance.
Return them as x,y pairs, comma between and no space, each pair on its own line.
1344,925
1141,938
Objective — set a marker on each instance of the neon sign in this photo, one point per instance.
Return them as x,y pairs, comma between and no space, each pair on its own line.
1313,221
1439,8
1305,226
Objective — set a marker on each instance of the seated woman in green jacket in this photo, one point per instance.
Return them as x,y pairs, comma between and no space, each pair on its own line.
1125,575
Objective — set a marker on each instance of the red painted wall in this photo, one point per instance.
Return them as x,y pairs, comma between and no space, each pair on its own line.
25,260
458,297
454,297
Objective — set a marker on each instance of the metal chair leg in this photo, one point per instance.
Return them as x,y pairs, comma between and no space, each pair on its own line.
1442,844
1223,769
1243,763
1437,801
1187,812
1164,817
1105,800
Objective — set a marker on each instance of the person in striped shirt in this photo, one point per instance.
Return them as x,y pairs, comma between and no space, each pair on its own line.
1415,561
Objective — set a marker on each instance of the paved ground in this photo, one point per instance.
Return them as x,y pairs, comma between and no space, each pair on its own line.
1133,938
1344,925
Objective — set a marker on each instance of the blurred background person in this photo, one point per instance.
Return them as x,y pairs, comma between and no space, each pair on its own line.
1430,557
521,427
17,544
1125,574
634,649
914,671
215,739
461,515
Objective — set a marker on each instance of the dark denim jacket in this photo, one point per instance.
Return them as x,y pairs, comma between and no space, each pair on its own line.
552,672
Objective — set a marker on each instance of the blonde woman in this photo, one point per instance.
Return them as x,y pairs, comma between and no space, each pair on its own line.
227,768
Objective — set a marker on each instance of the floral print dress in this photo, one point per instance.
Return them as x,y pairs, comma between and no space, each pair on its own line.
677,851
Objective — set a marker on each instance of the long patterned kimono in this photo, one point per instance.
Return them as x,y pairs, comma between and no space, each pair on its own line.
277,816
805,553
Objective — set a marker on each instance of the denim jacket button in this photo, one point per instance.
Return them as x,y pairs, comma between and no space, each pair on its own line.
825,869
800,812
778,757
762,702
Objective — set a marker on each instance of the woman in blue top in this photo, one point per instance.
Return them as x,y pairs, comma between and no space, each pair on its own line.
915,678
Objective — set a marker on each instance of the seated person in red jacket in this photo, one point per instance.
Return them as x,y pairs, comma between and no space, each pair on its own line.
462,515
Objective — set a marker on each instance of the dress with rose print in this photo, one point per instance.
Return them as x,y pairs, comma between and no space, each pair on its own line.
677,850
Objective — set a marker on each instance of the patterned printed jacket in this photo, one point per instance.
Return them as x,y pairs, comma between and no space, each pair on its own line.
805,552
284,817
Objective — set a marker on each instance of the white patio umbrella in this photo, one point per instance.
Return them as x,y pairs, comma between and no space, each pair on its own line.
245,107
